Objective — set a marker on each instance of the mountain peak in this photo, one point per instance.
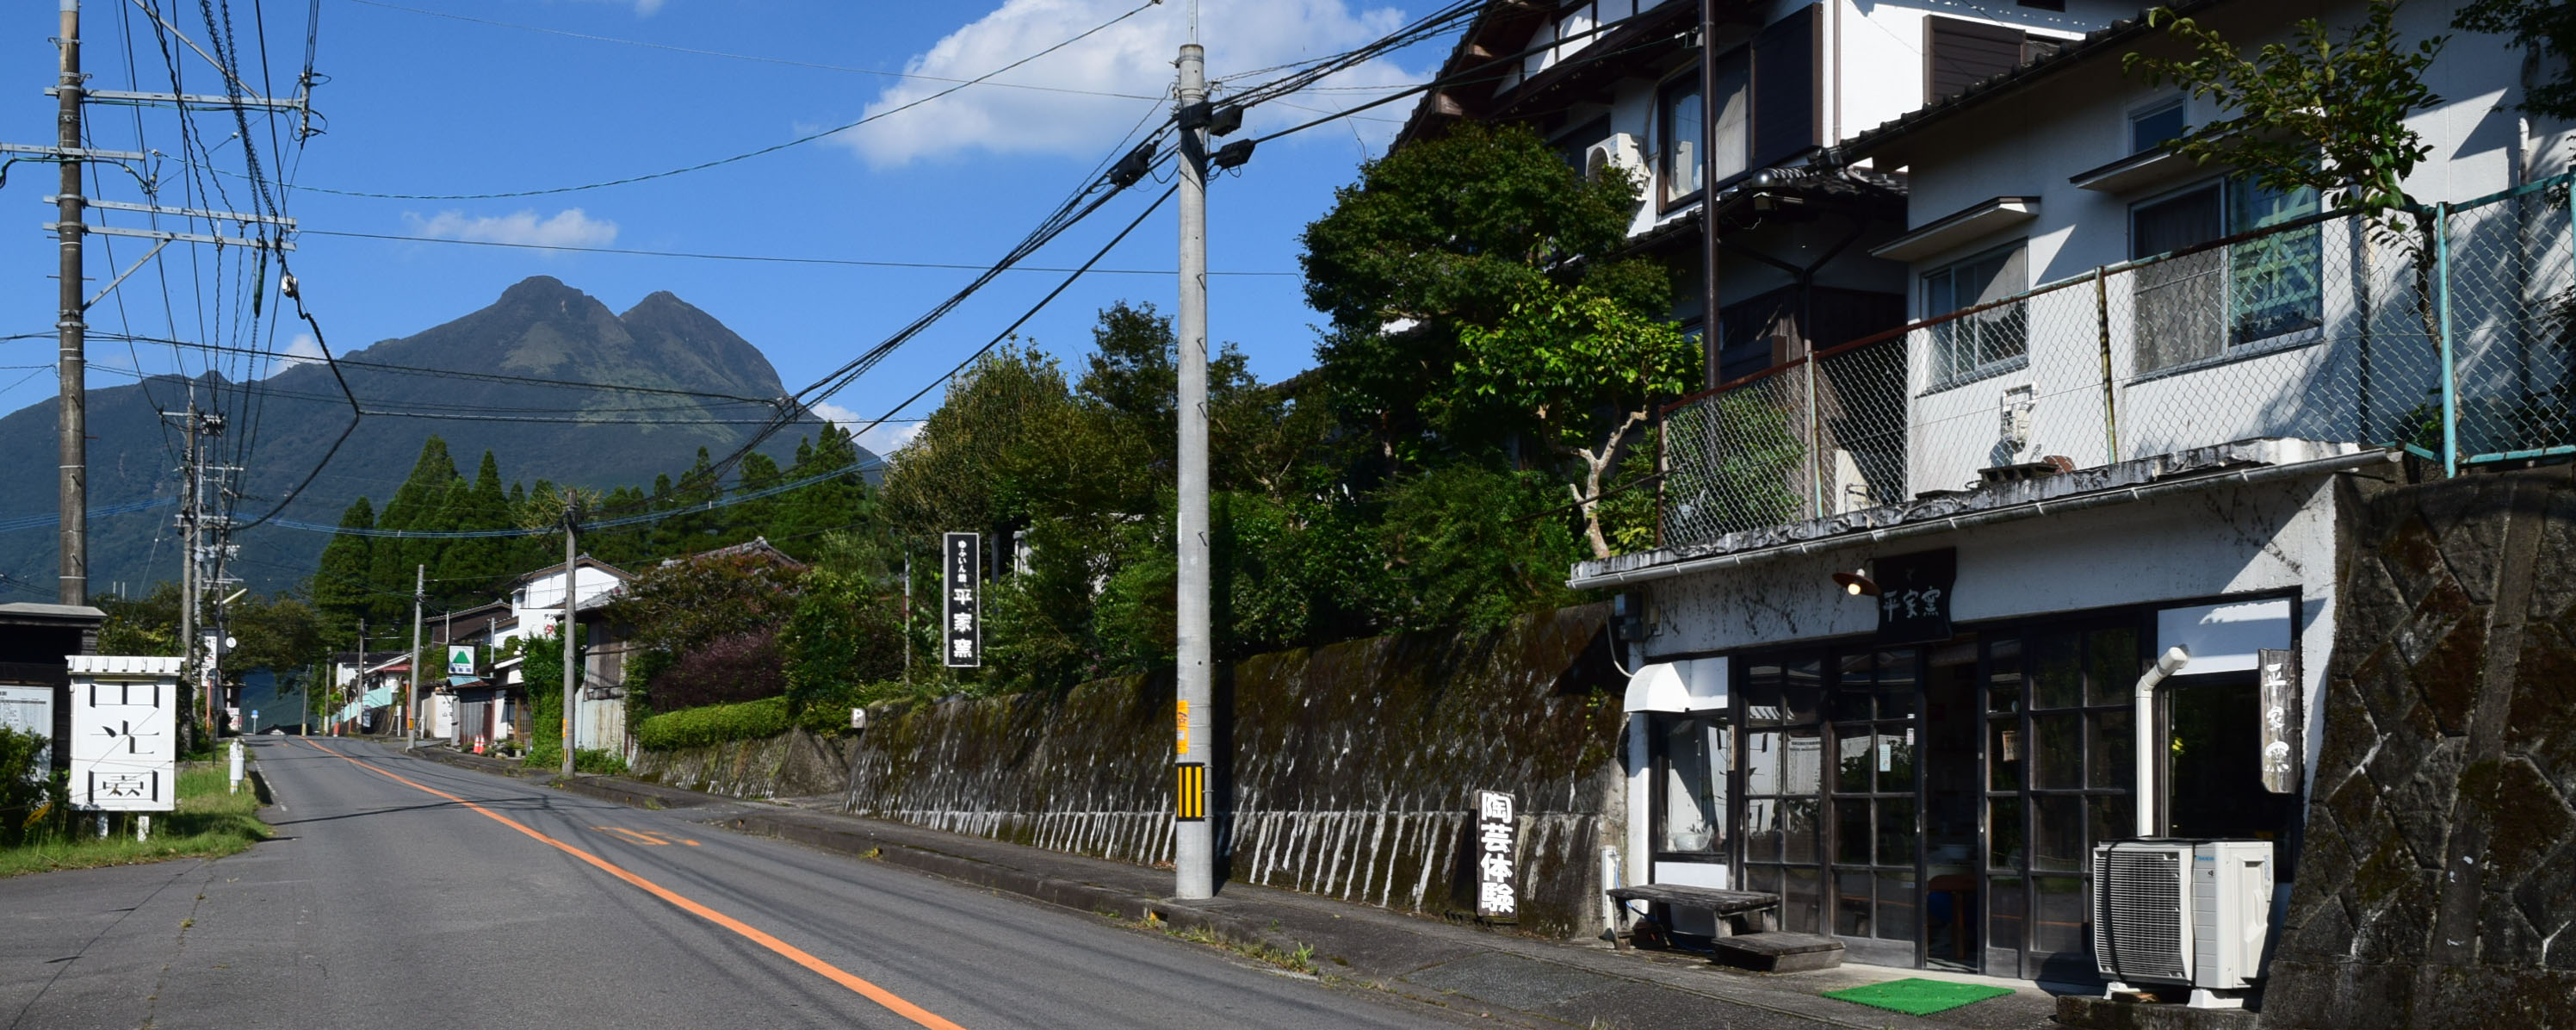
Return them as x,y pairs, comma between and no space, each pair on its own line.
539,288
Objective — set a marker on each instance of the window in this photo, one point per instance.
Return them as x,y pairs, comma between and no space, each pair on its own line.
2154,126
1693,785
1985,341
2199,306
1684,126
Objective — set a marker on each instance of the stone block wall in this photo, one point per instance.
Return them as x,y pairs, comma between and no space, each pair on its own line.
1354,769
2436,879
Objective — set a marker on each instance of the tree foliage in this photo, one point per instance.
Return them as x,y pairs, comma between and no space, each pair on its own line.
2546,28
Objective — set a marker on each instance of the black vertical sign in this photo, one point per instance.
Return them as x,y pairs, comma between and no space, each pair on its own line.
1914,595
963,573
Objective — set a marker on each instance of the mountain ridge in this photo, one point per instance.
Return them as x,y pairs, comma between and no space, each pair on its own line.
549,379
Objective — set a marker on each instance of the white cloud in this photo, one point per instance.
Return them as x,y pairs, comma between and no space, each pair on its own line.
883,440
569,227
302,349
645,8
1133,57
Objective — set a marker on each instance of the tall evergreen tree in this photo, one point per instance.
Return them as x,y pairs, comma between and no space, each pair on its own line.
341,582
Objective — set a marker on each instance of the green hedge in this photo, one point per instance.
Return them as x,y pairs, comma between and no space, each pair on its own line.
715,724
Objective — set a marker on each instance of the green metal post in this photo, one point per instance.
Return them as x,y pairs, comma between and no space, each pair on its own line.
2442,291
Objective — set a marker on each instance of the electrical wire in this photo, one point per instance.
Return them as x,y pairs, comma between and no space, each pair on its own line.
747,155
762,258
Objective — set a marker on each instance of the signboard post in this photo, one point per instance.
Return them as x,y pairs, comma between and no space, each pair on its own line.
125,755
962,586
30,710
1497,857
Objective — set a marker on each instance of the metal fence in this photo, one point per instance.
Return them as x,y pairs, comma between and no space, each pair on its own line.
2447,330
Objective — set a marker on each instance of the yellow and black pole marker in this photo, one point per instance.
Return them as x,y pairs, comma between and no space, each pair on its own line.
1192,807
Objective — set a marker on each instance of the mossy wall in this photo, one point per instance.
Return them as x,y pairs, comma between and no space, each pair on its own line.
1354,766
2436,880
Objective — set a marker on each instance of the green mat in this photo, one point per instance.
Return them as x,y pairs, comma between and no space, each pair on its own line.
1915,996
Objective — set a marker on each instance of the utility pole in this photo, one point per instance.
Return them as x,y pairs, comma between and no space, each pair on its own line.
72,360
907,613
188,551
411,683
572,523
1193,837
357,685
1710,338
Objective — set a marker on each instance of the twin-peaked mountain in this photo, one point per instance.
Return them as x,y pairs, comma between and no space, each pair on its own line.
480,382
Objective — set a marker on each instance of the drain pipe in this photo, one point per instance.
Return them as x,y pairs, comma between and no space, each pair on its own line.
2167,664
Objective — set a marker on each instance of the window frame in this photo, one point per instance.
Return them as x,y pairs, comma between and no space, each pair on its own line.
2232,346
1719,729
1689,80
1944,374
2139,112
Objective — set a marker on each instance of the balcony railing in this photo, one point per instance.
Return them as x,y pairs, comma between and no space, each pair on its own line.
2449,333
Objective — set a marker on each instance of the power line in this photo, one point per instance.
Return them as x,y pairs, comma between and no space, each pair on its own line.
747,155
748,57
765,258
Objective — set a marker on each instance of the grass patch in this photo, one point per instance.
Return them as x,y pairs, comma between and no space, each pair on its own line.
210,823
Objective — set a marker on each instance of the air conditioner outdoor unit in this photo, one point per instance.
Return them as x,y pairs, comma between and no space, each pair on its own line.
2190,912
1619,151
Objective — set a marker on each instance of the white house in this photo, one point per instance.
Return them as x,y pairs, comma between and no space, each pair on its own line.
536,608
1909,579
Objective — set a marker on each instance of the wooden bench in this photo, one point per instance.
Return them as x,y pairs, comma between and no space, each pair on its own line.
1751,908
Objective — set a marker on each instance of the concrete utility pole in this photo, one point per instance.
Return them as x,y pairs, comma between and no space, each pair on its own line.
571,700
1711,339
411,684
1193,836
357,685
188,584
72,360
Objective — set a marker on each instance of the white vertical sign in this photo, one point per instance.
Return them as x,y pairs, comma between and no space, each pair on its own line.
124,733
1497,857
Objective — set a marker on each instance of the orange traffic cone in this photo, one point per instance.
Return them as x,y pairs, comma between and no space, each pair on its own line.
478,744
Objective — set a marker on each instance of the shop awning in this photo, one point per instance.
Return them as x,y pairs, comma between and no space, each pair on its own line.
1687,685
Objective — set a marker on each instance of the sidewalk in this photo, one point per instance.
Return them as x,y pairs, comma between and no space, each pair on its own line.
1515,980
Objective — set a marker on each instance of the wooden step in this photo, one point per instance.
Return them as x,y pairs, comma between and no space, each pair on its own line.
1779,952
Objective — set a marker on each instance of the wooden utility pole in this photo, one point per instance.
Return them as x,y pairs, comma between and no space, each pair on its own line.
571,699
411,683
71,362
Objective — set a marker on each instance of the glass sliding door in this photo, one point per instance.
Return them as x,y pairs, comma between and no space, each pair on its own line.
2059,780
1783,780
1877,895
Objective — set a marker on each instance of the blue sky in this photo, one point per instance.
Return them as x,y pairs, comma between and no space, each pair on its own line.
420,103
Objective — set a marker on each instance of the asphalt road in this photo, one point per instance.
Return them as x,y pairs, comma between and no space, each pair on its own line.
383,903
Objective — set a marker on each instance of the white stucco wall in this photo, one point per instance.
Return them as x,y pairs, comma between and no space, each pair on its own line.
2030,142
2193,546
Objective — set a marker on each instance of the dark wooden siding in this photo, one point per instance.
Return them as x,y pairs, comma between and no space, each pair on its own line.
1784,88
1959,54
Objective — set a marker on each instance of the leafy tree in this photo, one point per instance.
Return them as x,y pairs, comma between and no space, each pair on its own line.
2312,113
144,625
2546,27
1475,546
1447,234
1584,368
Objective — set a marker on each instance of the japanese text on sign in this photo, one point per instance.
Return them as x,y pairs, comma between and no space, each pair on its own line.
1914,595
1497,854
124,757
961,578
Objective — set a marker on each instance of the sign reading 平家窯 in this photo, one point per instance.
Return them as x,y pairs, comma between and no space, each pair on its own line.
961,574
1497,856
1914,595
125,754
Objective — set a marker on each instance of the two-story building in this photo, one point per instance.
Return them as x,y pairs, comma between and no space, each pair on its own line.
1911,582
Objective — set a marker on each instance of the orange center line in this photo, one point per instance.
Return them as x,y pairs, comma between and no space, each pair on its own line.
890,1000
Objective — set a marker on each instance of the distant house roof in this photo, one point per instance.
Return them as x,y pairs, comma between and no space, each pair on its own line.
2111,39
1472,76
31,613
586,560
756,547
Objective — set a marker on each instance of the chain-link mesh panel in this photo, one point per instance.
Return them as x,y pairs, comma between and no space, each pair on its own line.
2314,332
1738,459
1860,423
2512,302
2329,330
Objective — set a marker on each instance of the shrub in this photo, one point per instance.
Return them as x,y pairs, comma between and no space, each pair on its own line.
714,724
726,670
841,634
22,784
